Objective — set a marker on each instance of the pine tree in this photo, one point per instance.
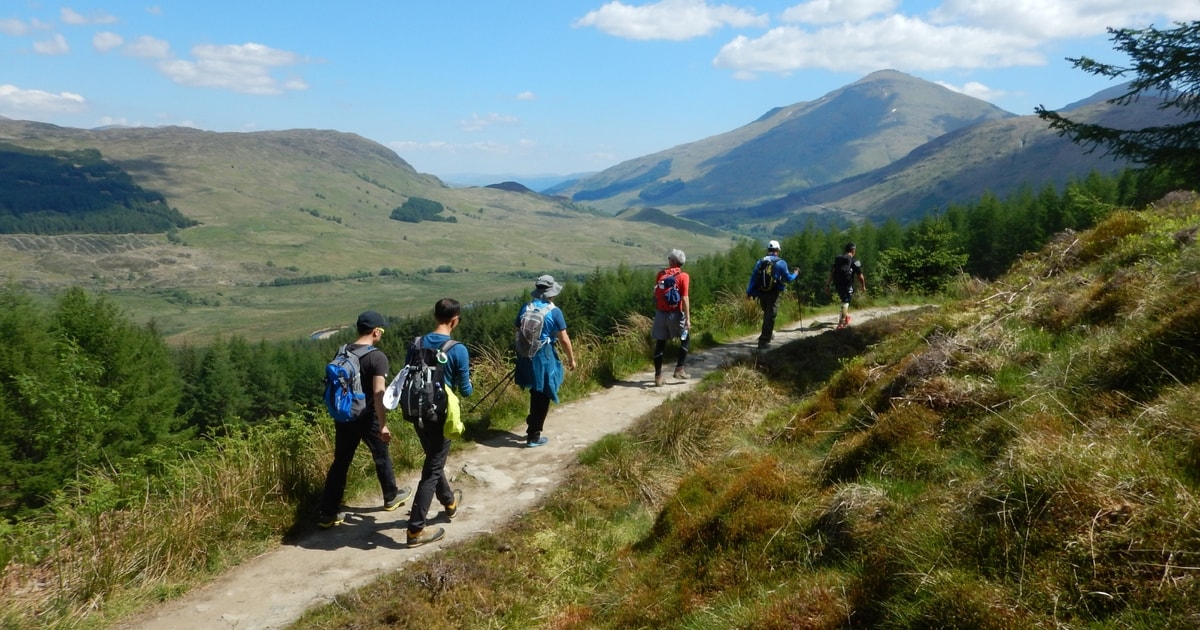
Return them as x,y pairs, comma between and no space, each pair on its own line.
1166,64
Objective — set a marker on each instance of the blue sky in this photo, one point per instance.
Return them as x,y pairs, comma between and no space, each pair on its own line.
518,87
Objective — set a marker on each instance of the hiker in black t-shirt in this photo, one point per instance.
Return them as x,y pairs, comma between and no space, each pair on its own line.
845,269
369,428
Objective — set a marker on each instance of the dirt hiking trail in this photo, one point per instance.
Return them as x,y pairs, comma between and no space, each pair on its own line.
499,478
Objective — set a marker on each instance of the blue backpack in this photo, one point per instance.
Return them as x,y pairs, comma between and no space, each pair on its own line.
668,288
344,397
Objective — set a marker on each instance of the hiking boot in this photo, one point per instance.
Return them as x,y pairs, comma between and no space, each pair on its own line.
452,509
658,380
542,441
679,373
326,521
399,500
426,535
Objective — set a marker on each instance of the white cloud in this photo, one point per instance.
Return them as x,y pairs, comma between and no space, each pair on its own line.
479,123
13,26
154,10
1056,19
834,11
668,19
895,42
146,47
242,68
56,45
527,96
407,147
70,16
866,35
105,41
975,89
18,102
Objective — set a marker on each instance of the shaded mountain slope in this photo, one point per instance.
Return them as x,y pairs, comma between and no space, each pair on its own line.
1000,157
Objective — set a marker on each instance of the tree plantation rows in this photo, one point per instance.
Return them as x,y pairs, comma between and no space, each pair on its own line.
81,386
43,192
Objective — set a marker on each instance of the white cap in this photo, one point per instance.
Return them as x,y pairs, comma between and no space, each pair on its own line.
773,245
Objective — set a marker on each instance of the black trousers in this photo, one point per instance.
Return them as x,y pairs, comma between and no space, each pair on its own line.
433,475
769,302
347,436
539,406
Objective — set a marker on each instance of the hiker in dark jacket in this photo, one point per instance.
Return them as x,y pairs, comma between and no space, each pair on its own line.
842,274
768,297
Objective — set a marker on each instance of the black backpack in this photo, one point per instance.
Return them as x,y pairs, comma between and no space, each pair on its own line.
844,270
423,384
764,275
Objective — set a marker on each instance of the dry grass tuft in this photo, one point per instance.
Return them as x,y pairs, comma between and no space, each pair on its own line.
806,606
852,520
688,430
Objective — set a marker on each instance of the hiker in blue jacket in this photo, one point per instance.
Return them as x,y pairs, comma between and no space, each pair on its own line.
542,374
768,296
435,444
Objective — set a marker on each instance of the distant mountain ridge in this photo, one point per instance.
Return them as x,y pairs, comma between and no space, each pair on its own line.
888,145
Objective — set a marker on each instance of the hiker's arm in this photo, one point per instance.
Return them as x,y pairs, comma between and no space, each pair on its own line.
378,385
862,280
462,379
564,340
685,305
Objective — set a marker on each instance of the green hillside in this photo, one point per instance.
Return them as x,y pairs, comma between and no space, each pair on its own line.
295,233
1025,457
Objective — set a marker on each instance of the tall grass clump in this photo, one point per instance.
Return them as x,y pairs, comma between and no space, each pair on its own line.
116,537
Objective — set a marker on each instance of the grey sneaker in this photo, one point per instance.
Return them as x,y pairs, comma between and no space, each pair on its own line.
427,535
398,500
679,373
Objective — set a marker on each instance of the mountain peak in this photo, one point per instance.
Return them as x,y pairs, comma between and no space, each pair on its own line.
854,129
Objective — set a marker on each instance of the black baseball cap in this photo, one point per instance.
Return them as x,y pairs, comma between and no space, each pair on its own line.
370,320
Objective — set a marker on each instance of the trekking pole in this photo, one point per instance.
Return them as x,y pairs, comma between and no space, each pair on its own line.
800,309
502,381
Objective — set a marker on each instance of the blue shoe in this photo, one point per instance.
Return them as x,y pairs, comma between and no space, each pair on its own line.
542,441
